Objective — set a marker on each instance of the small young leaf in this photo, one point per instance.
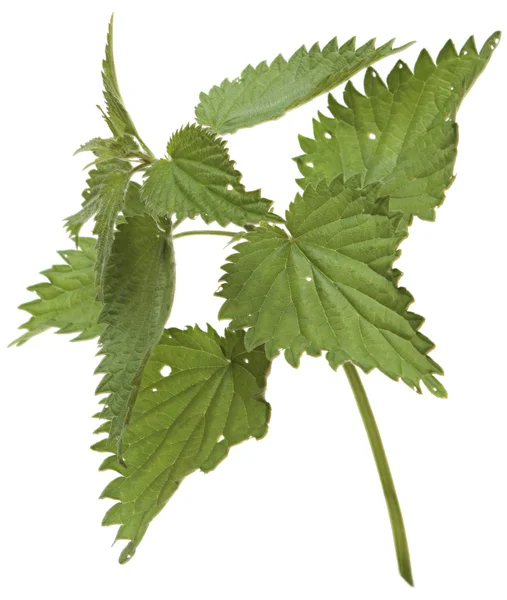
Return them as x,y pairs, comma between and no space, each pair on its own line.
403,134
212,399
329,285
199,179
68,300
110,148
138,293
267,92
97,177
117,117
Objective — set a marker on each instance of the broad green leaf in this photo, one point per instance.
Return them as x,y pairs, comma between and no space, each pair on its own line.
267,92
67,301
329,285
212,399
138,294
117,117
403,134
199,179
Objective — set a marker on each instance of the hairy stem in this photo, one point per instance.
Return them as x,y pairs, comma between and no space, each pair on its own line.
205,232
393,506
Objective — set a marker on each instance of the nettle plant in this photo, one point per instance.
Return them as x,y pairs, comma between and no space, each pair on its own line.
320,280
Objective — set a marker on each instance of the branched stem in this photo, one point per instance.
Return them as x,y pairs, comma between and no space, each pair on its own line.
393,506
205,232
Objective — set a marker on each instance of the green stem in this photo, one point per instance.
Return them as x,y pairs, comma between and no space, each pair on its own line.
393,506
205,232
150,156
137,168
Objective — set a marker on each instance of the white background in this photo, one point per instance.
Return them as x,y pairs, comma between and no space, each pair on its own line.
299,514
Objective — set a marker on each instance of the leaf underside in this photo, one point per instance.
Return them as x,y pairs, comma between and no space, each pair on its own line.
402,134
138,295
67,301
199,179
267,92
329,285
212,399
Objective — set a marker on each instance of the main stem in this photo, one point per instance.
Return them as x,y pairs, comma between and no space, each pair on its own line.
393,506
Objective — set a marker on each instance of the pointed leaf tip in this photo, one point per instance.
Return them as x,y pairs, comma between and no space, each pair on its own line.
220,389
239,103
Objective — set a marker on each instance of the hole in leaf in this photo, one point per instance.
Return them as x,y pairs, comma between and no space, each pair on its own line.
246,360
165,371
400,66
497,40
492,47
154,390
309,164
465,53
452,88
308,278
327,135
221,438
372,136
229,187
373,74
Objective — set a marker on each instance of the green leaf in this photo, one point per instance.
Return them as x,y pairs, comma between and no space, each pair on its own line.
138,295
199,179
110,202
97,178
133,206
106,149
403,134
212,399
117,117
329,285
67,301
104,197
267,92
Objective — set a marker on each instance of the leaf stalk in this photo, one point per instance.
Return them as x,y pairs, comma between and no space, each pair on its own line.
205,232
393,505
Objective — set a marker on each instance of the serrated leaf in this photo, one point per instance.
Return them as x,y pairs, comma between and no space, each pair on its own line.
138,293
212,399
199,179
106,149
97,178
117,117
267,92
111,199
104,198
402,134
329,285
67,301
